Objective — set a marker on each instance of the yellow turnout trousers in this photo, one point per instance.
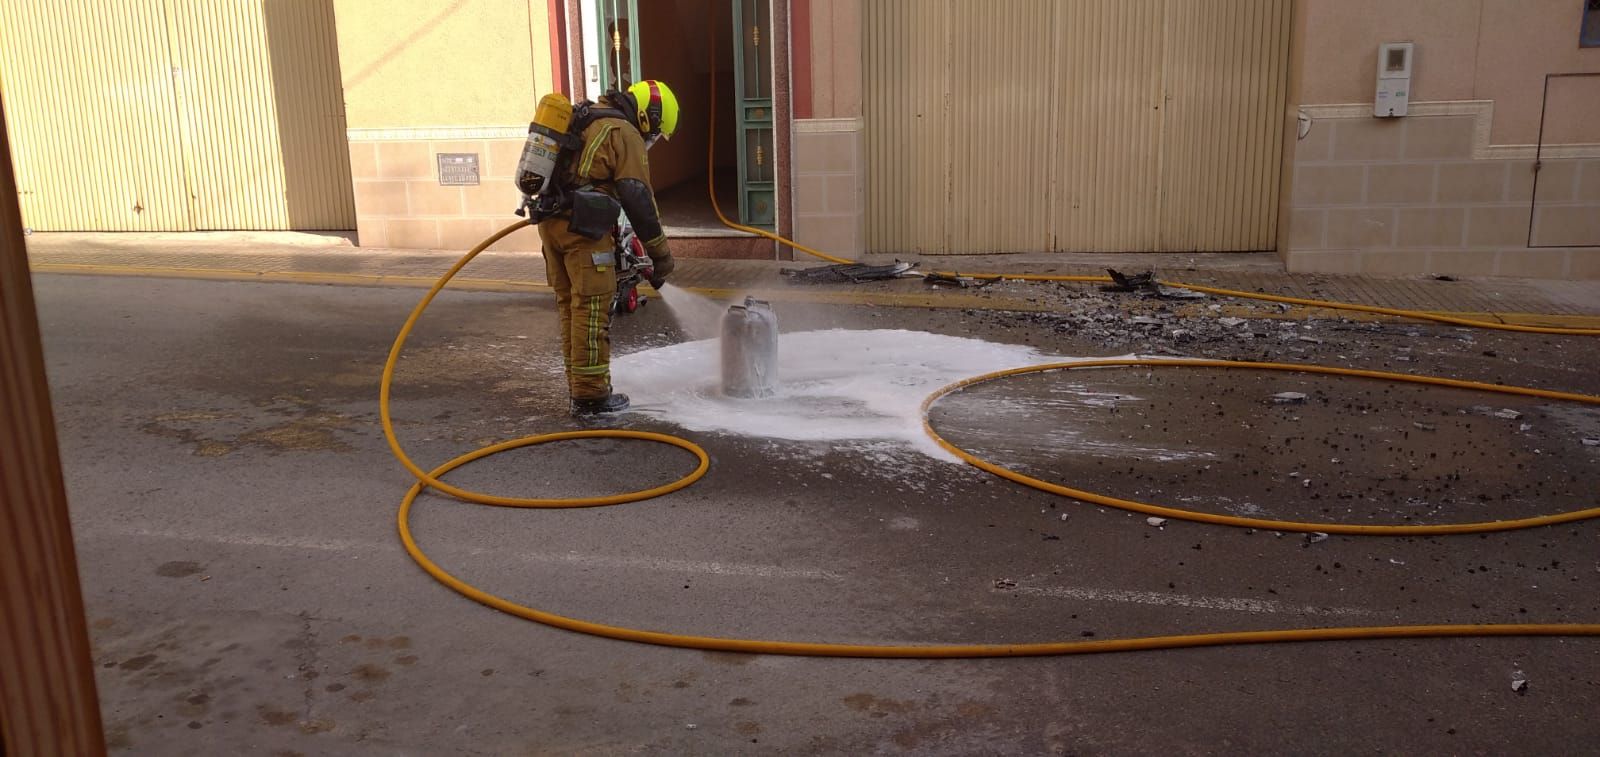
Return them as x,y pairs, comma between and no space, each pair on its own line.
583,273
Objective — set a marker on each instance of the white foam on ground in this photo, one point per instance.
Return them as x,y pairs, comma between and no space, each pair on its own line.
833,385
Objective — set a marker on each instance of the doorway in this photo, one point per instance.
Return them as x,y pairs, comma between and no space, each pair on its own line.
671,40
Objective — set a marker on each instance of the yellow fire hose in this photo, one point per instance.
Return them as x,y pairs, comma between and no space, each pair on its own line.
426,479
1420,315
1258,523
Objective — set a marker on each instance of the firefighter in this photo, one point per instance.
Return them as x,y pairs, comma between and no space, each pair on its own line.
610,169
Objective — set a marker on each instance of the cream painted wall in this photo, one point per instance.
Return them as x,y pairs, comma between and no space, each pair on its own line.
1496,50
421,63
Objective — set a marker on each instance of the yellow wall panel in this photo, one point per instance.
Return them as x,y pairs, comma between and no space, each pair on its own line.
91,112
1074,125
539,44
426,63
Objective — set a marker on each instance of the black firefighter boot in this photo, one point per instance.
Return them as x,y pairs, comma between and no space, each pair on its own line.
612,403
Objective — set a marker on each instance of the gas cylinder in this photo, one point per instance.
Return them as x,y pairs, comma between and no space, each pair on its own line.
545,135
749,349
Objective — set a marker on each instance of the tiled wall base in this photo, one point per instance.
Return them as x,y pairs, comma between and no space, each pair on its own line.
400,204
1423,194
829,195
1579,263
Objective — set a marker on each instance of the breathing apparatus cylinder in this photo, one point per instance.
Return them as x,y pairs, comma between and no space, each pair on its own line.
750,350
537,169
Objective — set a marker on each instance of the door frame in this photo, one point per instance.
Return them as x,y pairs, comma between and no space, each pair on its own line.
581,21
1538,163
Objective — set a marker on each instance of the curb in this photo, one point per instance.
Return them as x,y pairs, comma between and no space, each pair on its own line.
949,300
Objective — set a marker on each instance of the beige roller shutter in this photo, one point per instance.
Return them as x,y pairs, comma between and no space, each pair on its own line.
1106,125
993,40
1226,83
908,129
309,93
92,116
224,79
258,84
166,115
1074,125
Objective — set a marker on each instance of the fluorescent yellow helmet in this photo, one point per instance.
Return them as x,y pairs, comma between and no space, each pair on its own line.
658,108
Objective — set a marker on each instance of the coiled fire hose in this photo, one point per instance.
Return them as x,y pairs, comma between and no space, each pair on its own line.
427,479
431,479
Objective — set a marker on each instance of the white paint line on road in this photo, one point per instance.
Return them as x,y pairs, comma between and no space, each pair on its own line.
717,568
615,562
1237,604
235,540
676,566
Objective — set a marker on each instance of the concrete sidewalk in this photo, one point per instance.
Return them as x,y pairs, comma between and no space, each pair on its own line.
333,259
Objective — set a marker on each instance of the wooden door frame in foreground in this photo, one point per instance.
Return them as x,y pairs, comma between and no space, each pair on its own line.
47,693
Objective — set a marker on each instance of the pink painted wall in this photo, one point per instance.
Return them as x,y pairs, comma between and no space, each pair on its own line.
836,74
1496,50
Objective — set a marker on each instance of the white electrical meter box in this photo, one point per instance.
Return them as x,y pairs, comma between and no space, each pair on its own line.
1394,79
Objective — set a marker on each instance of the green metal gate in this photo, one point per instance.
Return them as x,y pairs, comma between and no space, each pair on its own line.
619,43
752,84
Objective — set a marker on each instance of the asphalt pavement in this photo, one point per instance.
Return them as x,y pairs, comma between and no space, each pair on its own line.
234,505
